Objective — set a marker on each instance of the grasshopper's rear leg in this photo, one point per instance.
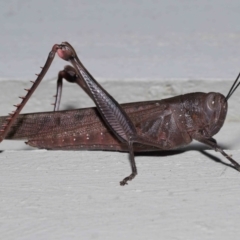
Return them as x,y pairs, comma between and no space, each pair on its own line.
6,126
110,110
70,74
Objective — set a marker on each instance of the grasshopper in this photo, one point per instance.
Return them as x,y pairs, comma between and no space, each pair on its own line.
133,127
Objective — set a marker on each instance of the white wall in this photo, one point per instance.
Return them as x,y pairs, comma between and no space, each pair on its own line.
123,39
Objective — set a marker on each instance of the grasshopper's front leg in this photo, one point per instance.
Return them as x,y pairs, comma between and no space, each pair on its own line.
211,142
112,113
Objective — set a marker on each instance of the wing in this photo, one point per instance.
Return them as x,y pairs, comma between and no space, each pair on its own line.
84,129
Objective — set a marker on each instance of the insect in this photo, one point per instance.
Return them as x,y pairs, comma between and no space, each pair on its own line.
134,127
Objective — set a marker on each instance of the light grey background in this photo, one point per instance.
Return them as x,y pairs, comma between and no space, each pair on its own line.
123,39
138,50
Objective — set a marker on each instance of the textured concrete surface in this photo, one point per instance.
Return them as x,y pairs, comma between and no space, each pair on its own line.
138,50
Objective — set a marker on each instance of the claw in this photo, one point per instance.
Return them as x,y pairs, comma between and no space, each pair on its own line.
123,183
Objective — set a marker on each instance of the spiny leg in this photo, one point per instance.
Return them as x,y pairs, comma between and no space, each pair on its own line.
12,116
110,110
114,116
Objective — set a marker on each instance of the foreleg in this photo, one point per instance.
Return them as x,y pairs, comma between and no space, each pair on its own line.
211,142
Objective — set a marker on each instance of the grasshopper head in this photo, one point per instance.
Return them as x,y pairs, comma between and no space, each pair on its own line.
215,110
216,106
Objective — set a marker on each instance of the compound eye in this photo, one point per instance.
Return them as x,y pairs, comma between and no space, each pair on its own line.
212,101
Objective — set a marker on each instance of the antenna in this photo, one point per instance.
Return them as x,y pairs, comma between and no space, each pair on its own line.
233,88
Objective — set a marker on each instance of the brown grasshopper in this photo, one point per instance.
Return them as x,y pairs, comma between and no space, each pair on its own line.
133,127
